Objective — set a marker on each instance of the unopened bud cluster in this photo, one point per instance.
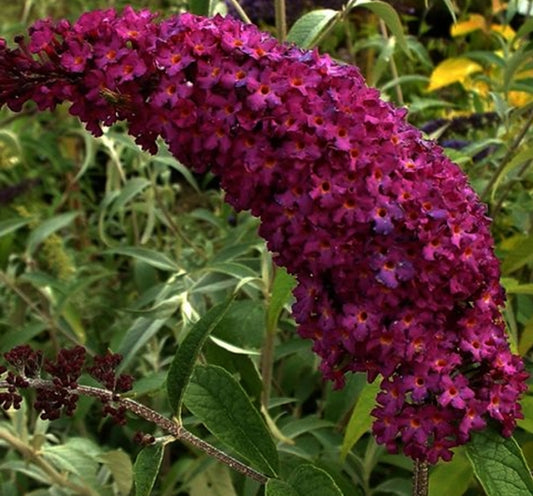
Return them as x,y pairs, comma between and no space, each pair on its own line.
57,392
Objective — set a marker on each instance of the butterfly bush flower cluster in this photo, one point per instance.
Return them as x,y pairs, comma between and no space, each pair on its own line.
389,244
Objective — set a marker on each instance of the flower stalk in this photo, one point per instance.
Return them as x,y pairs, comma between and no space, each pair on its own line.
281,19
420,478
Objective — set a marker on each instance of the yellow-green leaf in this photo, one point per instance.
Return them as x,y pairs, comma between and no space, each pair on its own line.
119,464
451,477
506,31
73,317
453,70
360,421
527,409
526,339
473,23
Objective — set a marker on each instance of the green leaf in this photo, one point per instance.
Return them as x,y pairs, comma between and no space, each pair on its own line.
389,16
232,348
519,255
215,480
451,477
451,9
77,456
409,78
15,337
164,157
383,60
512,286
89,155
182,365
304,425
397,486
520,158
69,459
525,29
243,325
282,287
73,318
47,228
526,340
10,225
119,464
313,481
130,190
140,332
513,64
151,257
237,365
146,468
220,402
527,409
360,420
233,269
151,383
499,464
11,140
202,7
276,487
28,470
309,28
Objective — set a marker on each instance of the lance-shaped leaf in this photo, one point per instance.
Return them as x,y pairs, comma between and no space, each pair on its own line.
220,402
360,421
281,292
146,468
183,362
307,30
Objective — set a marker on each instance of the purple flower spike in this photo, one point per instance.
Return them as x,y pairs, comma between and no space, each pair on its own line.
390,245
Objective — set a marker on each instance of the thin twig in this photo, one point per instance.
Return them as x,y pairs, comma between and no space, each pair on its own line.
281,20
349,39
168,425
240,11
393,68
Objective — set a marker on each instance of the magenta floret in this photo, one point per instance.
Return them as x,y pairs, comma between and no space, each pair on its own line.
390,245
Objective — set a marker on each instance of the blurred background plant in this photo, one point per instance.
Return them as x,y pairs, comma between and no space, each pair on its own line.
105,246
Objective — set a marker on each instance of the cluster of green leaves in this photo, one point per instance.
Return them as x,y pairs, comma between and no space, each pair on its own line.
105,246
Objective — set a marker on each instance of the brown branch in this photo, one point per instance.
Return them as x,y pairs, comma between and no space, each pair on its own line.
170,426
